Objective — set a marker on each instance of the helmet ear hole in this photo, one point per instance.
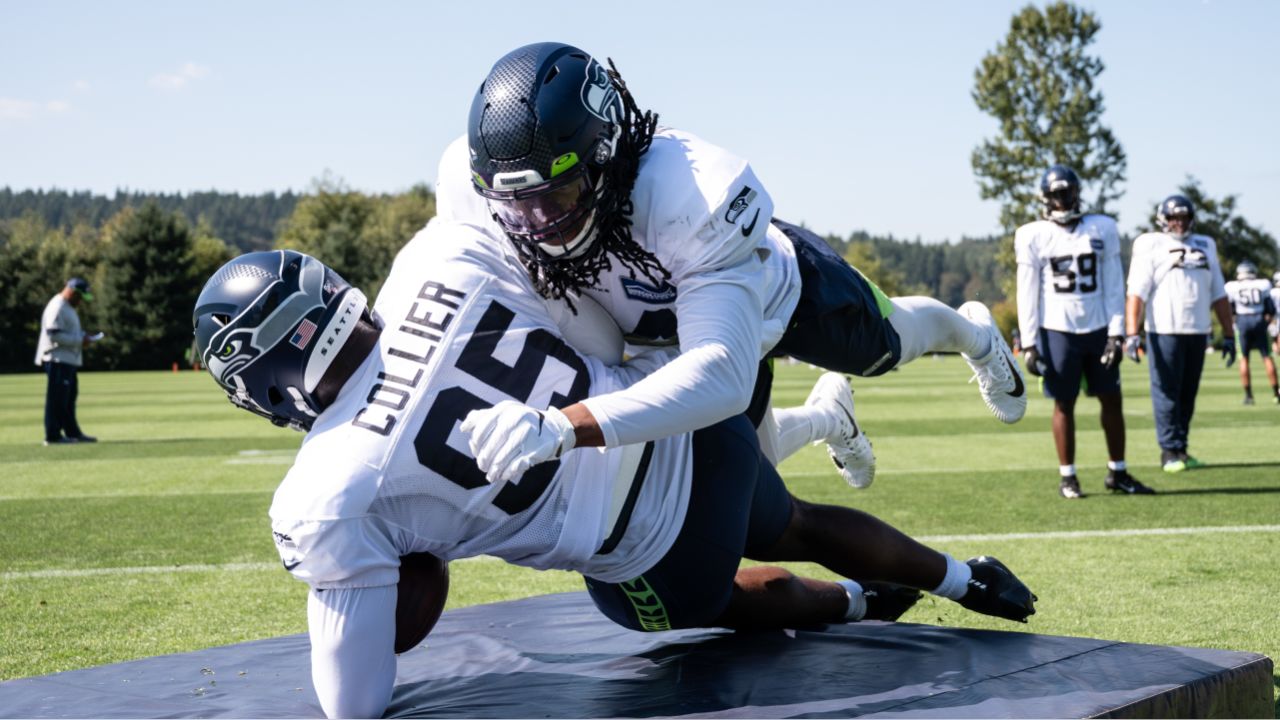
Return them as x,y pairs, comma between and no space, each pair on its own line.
273,395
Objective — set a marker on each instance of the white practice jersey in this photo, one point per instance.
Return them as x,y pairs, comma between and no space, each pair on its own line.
1069,278
385,471
1275,302
1178,280
734,282
1248,297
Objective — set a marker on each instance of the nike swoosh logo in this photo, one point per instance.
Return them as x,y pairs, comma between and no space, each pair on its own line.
746,229
1017,378
291,565
852,422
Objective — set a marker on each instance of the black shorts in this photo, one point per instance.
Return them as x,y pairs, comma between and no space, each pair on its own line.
1251,335
738,507
841,322
1072,356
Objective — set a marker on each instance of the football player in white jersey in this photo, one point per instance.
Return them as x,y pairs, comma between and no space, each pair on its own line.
657,529
1175,280
1071,317
1254,309
663,230
1275,321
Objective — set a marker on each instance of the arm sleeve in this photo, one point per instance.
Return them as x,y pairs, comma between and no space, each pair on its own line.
58,334
1217,287
1113,284
1030,273
353,663
710,380
1140,274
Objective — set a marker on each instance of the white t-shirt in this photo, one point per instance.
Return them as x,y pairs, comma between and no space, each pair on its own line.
384,472
1178,280
1069,277
734,283
1248,297
61,339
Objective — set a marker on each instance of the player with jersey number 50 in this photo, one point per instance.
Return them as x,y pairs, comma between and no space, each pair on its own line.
1175,280
1254,310
657,529
1071,316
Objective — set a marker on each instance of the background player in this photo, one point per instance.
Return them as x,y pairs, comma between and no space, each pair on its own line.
665,230
1253,308
1275,321
657,529
1071,317
1174,282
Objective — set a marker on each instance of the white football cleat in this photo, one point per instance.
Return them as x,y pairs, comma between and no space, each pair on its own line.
998,375
848,446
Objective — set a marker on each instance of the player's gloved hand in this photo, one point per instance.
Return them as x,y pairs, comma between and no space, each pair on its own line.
1132,344
1113,352
1228,348
509,438
1031,358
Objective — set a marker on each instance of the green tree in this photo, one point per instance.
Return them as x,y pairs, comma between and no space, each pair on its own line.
1039,84
35,262
147,289
1237,240
329,224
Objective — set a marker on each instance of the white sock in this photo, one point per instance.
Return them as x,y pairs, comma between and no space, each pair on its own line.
956,582
857,601
926,325
1117,465
1067,470
798,427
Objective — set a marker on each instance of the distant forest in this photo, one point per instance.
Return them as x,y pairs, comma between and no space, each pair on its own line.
245,222
951,272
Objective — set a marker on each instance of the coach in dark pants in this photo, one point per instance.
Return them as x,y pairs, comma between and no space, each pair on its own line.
1175,280
60,351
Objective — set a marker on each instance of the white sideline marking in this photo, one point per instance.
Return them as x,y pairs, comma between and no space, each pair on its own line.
1051,535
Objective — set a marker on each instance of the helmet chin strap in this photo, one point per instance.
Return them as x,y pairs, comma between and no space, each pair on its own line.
332,337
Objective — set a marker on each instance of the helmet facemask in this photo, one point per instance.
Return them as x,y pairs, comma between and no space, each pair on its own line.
1060,195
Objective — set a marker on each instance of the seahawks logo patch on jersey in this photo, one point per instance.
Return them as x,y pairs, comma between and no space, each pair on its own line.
745,197
637,290
1096,244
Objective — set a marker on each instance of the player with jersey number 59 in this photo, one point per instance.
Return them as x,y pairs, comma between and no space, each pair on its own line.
1254,309
658,530
1175,280
1071,315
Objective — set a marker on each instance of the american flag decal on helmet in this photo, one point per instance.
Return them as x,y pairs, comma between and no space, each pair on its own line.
302,337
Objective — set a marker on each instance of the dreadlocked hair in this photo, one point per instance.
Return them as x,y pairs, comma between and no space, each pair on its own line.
556,277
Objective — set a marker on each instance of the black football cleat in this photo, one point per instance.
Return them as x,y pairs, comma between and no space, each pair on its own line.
994,590
1069,488
1120,481
886,601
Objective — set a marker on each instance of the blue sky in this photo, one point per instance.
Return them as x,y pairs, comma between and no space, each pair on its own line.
856,115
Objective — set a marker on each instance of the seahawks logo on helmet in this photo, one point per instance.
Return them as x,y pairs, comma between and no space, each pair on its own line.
599,96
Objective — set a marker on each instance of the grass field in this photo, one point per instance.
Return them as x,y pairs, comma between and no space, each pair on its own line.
156,539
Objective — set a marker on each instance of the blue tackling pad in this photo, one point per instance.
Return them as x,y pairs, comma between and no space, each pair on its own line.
556,656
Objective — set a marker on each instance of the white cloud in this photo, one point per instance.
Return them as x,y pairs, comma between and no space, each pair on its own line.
81,85
57,106
173,81
14,109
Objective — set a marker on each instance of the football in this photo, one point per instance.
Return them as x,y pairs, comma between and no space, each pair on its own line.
420,598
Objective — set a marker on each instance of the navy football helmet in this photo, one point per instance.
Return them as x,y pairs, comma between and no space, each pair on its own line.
1246,271
1060,194
1176,215
543,126
268,325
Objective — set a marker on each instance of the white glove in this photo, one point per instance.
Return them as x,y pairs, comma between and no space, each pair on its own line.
509,438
